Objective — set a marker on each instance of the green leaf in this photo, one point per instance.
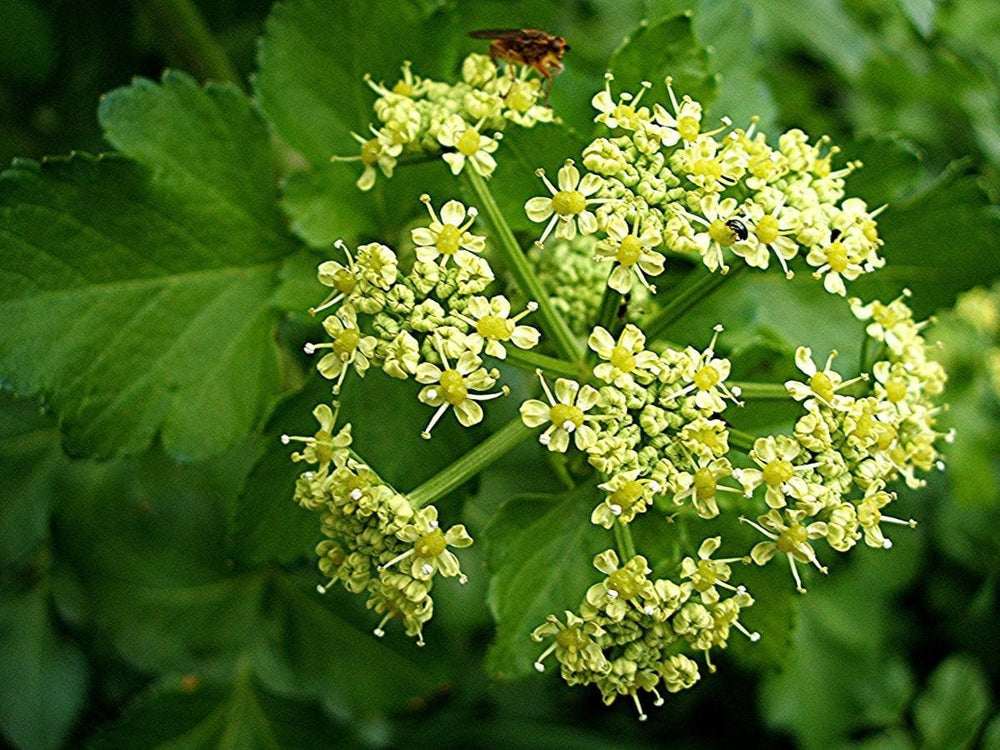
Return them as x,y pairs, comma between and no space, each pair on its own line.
920,13
842,673
44,675
954,705
542,553
321,652
30,456
891,169
312,61
666,47
325,205
937,243
991,734
213,716
154,316
208,145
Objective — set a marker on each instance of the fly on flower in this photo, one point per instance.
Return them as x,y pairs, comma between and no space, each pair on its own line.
530,47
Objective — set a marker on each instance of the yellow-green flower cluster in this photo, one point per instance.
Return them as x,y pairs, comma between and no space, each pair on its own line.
631,632
375,540
652,428
461,122
660,183
432,322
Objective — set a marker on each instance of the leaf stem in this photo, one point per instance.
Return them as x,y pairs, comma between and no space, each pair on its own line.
761,391
555,325
466,467
607,313
741,440
185,38
623,540
687,298
531,361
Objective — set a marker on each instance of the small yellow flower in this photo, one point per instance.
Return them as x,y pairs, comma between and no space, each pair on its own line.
448,237
566,412
451,387
567,210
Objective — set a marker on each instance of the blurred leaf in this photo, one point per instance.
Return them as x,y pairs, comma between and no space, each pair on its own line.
665,47
29,455
953,706
827,30
541,552
891,169
921,13
44,675
991,734
313,58
737,62
238,716
27,43
841,674
312,649
774,615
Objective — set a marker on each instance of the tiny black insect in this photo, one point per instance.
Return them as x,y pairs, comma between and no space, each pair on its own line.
738,228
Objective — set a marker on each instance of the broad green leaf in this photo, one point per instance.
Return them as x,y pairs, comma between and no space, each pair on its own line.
211,148
665,47
154,316
313,59
937,243
44,675
158,580
242,715
954,705
739,64
541,552
325,205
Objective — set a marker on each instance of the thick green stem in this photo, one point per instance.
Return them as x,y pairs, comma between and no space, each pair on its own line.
553,323
186,40
687,298
529,360
623,540
462,470
607,313
741,440
761,391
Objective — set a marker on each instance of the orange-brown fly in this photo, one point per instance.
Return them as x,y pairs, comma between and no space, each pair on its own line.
530,47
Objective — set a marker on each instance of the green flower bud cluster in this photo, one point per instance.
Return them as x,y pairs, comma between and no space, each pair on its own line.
660,183
376,541
575,283
630,630
461,122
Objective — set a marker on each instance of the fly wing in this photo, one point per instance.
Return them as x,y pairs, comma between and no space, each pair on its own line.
496,33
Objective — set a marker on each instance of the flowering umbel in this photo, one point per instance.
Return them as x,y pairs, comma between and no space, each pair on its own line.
632,413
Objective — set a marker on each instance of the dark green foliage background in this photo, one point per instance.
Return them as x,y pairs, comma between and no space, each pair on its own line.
156,581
